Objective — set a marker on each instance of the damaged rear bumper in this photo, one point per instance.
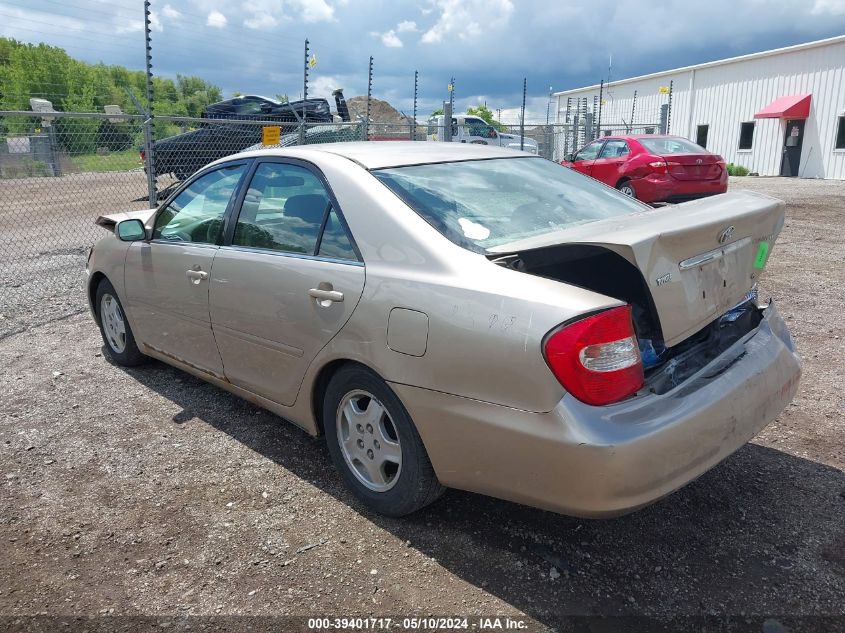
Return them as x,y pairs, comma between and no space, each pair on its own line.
604,461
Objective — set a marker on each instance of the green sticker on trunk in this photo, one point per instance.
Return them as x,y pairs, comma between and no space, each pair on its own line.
762,255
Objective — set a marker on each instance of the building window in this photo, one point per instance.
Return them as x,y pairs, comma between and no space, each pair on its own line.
840,133
701,135
746,134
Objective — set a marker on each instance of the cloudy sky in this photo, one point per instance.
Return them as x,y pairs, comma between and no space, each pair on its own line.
256,46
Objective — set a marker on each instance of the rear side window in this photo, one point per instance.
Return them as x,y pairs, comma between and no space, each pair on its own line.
614,148
284,209
485,203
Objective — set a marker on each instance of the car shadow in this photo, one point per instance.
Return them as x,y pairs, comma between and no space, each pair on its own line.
761,534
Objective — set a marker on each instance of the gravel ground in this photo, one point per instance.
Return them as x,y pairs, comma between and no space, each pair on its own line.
147,492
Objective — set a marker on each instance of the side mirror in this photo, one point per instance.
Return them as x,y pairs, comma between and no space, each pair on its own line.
131,230
569,158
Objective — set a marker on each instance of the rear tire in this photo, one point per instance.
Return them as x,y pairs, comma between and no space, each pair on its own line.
114,327
625,188
375,446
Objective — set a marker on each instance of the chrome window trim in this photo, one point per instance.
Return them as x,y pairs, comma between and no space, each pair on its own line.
268,251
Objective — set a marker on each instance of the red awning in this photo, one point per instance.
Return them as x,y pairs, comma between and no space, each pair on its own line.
794,107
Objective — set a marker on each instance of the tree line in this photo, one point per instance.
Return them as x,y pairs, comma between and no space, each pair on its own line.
72,85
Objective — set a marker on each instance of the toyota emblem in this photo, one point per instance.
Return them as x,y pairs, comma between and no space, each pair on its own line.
698,161
727,234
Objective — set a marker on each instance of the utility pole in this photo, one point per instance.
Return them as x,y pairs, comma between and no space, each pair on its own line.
522,118
149,151
451,96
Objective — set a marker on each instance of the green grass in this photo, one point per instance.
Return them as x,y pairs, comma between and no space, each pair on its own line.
113,161
737,170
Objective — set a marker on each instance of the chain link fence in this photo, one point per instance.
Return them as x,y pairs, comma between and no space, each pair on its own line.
58,172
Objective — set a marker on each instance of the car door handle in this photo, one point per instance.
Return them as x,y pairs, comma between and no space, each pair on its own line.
326,295
196,275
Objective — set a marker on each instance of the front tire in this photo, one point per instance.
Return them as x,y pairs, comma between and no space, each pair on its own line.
375,446
117,335
625,188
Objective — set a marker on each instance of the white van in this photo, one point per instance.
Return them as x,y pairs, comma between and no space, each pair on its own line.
468,128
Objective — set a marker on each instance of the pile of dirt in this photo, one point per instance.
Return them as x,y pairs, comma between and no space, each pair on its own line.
380,111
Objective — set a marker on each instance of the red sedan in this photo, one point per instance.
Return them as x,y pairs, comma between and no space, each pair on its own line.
652,168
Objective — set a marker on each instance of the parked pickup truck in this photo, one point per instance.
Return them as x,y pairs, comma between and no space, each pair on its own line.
183,154
467,128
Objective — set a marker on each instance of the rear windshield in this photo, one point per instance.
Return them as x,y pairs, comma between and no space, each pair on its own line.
485,203
664,146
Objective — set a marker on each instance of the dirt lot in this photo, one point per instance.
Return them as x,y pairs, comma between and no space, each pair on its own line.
149,492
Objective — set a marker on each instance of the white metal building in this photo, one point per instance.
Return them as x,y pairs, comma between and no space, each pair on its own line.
779,112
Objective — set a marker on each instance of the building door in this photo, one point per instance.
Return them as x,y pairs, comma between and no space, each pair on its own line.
792,147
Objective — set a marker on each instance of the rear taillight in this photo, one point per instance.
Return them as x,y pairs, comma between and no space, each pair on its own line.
663,166
597,359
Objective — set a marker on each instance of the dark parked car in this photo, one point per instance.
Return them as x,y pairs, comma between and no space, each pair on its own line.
183,154
264,108
652,168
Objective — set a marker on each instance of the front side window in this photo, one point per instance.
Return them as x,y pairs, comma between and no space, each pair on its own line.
481,204
479,127
283,210
590,151
746,135
614,148
196,214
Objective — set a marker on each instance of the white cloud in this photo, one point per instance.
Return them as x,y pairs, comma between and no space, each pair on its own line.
216,19
391,40
460,19
171,13
406,25
314,10
834,7
136,26
261,21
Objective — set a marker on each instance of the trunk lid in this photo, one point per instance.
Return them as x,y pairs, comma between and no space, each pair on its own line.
698,259
109,221
693,166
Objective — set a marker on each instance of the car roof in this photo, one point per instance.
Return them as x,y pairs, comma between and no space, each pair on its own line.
638,137
382,154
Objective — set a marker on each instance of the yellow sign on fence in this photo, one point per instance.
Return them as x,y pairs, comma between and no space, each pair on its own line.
664,90
271,135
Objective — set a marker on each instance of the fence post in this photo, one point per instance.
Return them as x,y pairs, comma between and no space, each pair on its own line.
149,150
414,123
369,96
305,74
633,110
669,109
522,117
598,117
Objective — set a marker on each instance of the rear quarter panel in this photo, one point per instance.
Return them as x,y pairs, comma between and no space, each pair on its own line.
486,323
